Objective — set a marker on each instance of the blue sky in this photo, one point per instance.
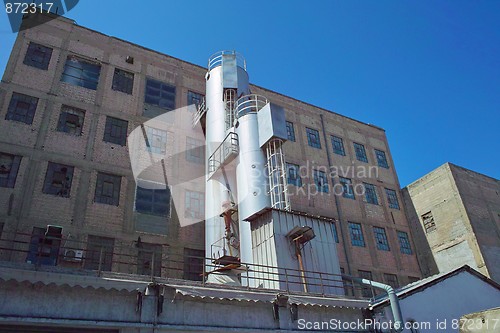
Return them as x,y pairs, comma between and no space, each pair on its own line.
428,72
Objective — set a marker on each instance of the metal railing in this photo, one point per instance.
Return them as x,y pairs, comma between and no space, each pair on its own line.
154,264
216,59
226,151
250,104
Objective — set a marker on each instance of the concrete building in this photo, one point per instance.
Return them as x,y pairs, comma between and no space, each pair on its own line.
455,218
70,96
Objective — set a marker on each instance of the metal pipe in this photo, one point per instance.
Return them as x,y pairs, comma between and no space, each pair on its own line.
337,203
393,299
301,264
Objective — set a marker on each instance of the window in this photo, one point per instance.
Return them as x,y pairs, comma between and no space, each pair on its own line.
194,98
116,131
370,194
99,249
149,258
335,234
290,131
157,140
293,174
320,181
381,159
404,242
160,94
22,108
58,179
71,120
194,150
193,264
107,189
391,280
392,198
80,72
348,286
366,291
152,198
123,81
195,205
9,166
381,239
360,152
38,56
428,220
313,138
338,145
44,246
356,234
347,190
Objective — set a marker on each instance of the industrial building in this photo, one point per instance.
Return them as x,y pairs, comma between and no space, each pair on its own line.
454,214
127,171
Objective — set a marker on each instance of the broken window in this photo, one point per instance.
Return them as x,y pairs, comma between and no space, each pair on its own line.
370,194
356,234
293,174
9,166
428,220
347,190
71,120
22,108
381,159
80,72
392,198
195,205
290,131
107,190
338,145
58,179
149,257
44,245
404,242
123,81
381,239
38,56
116,131
320,181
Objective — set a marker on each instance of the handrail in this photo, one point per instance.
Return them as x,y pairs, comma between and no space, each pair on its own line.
216,59
250,104
230,145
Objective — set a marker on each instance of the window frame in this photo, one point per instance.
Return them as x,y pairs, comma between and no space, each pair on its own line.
109,129
123,81
154,136
290,131
26,115
166,92
30,57
371,196
381,159
85,75
356,241
392,198
297,180
335,232
319,175
337,145
115,180
381,240
428,222
93,255
63,122
360,152
200,212
193,258
347,181
311,133
194,145
48,184
404,242
195,98
155,191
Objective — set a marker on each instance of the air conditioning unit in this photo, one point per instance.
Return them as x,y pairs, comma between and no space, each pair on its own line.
73,255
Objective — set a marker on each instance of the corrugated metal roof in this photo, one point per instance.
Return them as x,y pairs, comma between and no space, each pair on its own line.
328,301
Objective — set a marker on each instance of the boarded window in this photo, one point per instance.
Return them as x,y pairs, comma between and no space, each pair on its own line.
22,108
107,190
71,120
123,81
9,166
58,179
99,250
193,264
38,56
116,131
80,72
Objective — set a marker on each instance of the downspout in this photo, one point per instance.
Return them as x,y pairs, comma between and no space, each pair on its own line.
337,203
393,299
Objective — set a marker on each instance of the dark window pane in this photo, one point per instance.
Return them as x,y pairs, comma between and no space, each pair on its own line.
381,159
381,239
313,138
160,94
404,242
22,108
80,72
9,166
290,131
347,189
71,120
107,189
370,194
392,198
99,249
293,174
193,264
58,179
116,131
38,56
320,181
123,81
360,152
338,146
152,201
356,234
